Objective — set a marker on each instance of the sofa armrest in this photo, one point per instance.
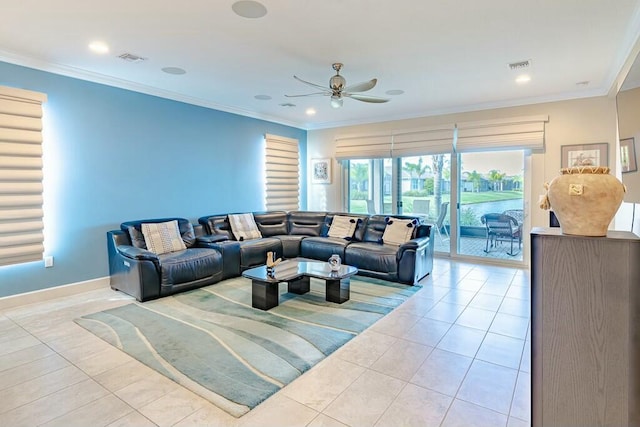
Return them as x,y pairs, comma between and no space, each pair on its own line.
136,253
413,245
211,238
415,258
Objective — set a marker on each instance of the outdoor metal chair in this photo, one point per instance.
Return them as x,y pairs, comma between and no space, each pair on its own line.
502,228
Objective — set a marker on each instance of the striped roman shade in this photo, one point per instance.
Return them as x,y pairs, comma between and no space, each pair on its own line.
282,173
21,225
421,141
515,133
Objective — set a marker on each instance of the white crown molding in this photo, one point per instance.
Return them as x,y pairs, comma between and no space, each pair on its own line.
67,71
135,87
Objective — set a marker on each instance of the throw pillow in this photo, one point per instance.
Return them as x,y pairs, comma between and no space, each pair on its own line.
343,227
398,231
244,227
137,238
163,237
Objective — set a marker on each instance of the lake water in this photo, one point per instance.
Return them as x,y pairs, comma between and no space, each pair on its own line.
493,207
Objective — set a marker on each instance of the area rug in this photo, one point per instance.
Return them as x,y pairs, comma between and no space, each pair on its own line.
211,341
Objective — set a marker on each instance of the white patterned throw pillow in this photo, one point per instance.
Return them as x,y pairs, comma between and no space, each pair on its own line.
163,237
398,231
343,227
244,227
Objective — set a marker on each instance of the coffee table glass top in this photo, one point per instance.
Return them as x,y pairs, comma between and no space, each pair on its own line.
293,268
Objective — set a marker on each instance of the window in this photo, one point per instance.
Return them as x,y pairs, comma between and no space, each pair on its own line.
21,224
282,173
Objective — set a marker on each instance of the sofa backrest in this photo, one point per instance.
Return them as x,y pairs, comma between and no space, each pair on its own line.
306,223
217,224
272,223
184,225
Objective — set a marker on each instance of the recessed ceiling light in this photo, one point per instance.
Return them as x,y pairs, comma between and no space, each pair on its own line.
522,79
249,9
394,92
262,97
173,70
310,112
99,47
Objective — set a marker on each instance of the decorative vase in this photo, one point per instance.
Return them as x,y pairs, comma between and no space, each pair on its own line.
585,199
335,262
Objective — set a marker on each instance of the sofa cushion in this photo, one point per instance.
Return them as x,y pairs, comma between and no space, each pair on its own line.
398,231
321,248
163,237
254,252
244,227
188,266
372,257
343,227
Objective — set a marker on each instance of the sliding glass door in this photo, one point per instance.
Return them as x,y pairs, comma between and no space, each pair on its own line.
491,205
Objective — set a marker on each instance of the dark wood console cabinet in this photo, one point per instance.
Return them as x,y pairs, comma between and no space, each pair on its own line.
585,329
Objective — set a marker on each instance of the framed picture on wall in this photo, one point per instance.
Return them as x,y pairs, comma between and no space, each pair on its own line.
585,155
321,171
628,155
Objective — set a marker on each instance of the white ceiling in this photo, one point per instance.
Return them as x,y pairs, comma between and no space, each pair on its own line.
446,55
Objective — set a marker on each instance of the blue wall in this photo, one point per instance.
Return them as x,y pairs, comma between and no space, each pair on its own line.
113,155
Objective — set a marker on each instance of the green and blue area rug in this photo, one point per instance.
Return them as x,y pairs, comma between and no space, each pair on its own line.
211,341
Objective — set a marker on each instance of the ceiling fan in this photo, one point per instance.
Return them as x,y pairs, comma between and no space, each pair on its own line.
338,89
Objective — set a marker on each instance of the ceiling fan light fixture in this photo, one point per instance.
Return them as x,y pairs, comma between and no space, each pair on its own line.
336,101
337,83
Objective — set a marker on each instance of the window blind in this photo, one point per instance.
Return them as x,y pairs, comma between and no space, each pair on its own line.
370,146
516,133
422,141
282,167
21,214
396,143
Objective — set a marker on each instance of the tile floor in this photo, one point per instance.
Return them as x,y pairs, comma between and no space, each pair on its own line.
456,354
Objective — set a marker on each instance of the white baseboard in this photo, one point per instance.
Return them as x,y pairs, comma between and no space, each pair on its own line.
52,293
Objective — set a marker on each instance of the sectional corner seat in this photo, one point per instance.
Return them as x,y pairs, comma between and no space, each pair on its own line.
213,253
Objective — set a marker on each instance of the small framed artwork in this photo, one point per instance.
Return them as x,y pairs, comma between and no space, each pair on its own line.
628,155
321,171
585,155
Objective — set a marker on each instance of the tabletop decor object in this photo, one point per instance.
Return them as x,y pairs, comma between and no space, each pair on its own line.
585,199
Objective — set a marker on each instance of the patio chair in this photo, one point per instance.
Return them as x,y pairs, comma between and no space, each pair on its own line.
502,228
518,214
371,207
440,222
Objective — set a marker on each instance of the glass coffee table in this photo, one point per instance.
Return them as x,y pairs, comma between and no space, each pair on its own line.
297,274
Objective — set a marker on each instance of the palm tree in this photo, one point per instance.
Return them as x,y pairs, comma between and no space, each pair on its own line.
359,174
438,163
416,170
475,178
496,178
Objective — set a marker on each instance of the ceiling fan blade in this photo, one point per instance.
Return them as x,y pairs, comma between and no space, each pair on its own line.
365,98
362,87
309,94
324,88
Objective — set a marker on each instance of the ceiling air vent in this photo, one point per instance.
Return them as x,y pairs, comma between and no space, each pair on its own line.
287,104
520,65
130,57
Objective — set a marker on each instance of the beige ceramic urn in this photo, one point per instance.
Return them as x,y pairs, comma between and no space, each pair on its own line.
585,199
